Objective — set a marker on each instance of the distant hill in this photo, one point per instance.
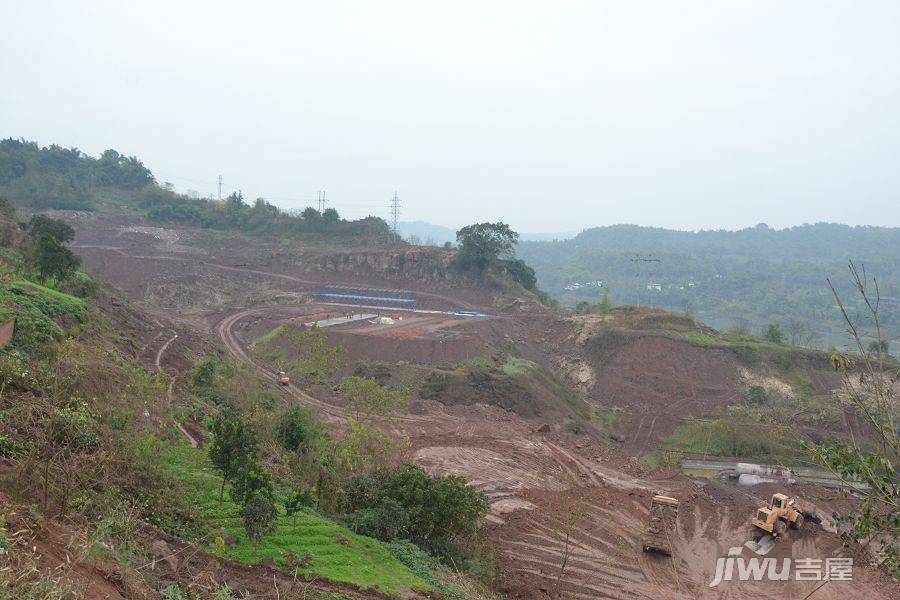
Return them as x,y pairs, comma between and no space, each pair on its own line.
757,274
429,233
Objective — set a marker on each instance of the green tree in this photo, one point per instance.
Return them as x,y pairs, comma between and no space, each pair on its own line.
298,500
251,479
368,449
521,273
233,444
42,225
235,202
203,375
606,304
774,333
387,520
439,508
367,399
311,217
481,244
756,394
330,215
359,491
51,259
259,516
298,429
46,252
316,360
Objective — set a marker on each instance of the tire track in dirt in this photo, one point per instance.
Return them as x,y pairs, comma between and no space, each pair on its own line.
170,387
162,351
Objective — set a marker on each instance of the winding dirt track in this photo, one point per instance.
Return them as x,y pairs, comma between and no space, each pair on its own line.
170,387
234,346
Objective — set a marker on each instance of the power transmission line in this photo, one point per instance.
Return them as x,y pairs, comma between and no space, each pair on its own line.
395,212
638,260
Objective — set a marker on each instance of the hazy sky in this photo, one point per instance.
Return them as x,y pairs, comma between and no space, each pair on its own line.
548,115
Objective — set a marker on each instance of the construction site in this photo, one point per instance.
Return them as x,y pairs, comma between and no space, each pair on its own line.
586,502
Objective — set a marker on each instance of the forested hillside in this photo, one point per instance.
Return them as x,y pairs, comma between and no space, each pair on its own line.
35,178
750,277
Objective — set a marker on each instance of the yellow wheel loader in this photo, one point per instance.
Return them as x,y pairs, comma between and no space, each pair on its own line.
782,512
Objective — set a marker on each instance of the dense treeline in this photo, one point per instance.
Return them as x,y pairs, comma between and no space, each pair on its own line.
260,217
757,274
41,178
64,178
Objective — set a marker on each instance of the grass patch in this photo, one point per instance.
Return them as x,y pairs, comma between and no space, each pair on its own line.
652,460
70,301
479,362
38,312
736,436
517,366
608,419
270,337
701,339
337,554
450,584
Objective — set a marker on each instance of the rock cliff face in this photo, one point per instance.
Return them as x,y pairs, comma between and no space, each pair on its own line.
430,265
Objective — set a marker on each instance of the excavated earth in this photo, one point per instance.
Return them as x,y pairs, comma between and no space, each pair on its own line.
567,511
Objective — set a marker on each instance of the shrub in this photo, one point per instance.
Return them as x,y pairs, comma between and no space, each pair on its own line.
372,370
359,492
298,428
9,448
74,426
521,273
439,508
259,516
756,394
17,371
300,498
80,285
251,479
387,521
203,375
774,333
233,444
434,386
174,592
